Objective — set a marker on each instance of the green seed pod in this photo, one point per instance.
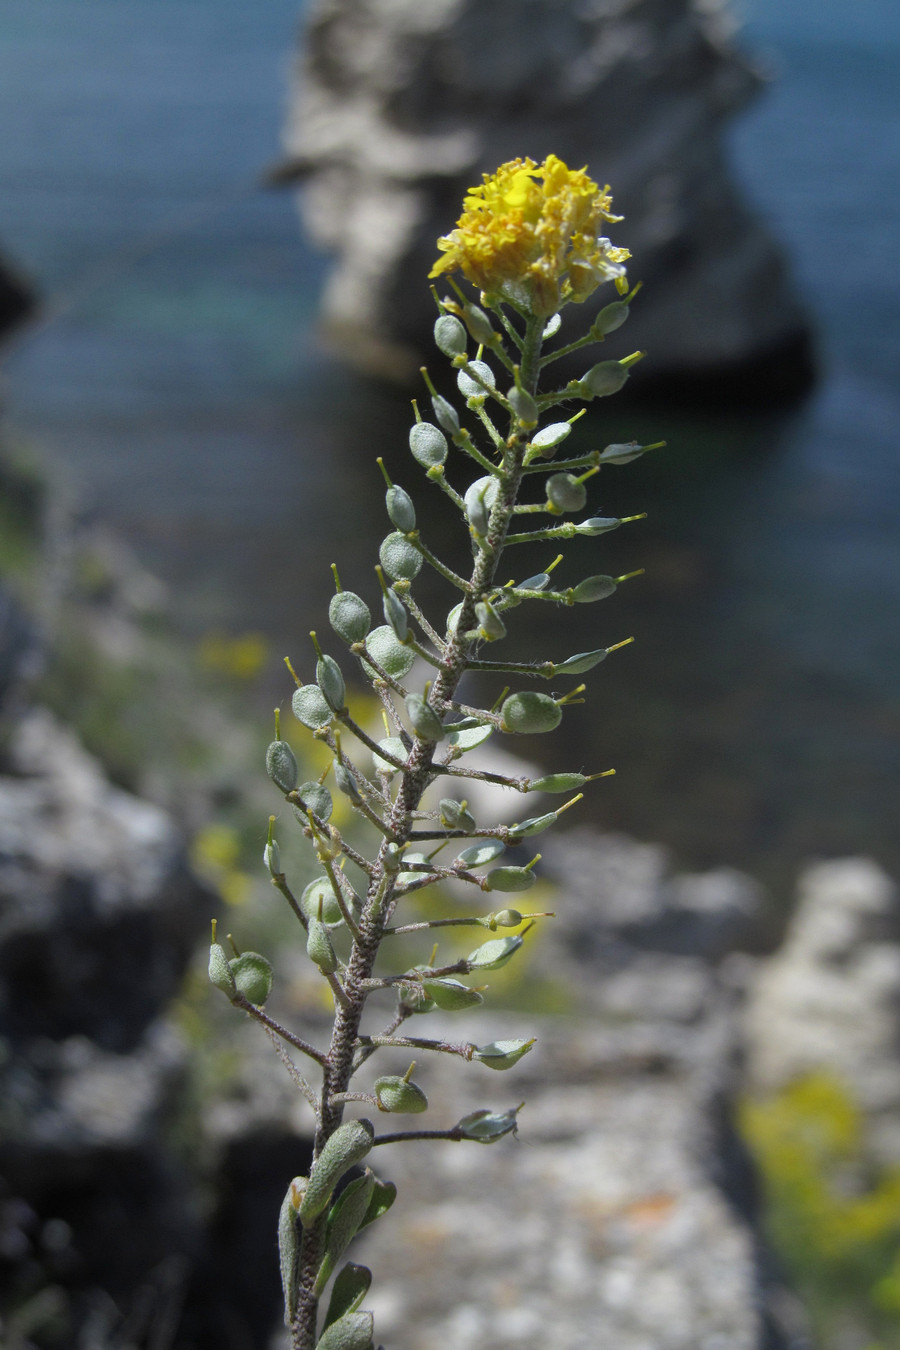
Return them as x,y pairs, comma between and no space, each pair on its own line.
583,661
490,625
509,879
347,1146
317,799
468,737
469,387
479,854
311,707
398,1096
319,948
289,1245
593,588
399,558
450,335
400,508
281,765
487,1126
349,616
607,377
416,866
524,406
528,712
452,995
454,815
446,414
272,859
395,659
344,1221
392,858
348,1291
538,582
331,682
428,444
423,718
552,327
352,1332
346,782
558,782
415,999
502,1054
478,501
548,438
320,892
534,825
479,325
494,954
624,453
506,918
253,977
564,493
220,970
392,745
395,613
598,525
609,319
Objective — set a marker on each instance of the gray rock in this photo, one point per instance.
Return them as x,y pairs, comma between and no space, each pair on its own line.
400,106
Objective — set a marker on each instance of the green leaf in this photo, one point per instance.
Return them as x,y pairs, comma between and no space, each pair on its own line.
383,1196
342,1225
502,1054
350,1288
351,1332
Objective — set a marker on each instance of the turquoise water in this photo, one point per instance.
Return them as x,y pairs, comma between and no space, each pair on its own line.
177,384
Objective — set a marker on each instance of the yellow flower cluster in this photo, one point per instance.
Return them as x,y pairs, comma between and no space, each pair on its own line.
532,234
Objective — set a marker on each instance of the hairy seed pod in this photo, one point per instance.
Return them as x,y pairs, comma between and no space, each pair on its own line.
253,977
487,1126
346,782
479,854
344,1149
331,682
470,387
450,335
319,948
607,377
593,588
397,1095
557,782
598,525
400,559
446,414
310,706
530,713
220,970
610,318
623,453
494,954
395,659
478,500
423,718
565,493
506,918
320,892
281,765
272,859
454,815
509,879
349,616
395,613
351,1332
534,825
452,995
317,799
479,325
581,662
400,508
391,745
548,438
524,406
539,582
428,444
502,1054
490,625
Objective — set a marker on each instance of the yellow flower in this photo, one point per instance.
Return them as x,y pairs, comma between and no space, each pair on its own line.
532,233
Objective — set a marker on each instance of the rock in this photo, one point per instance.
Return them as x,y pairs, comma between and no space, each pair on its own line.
400,106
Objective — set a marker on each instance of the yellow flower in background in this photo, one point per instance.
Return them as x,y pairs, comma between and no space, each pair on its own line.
533,233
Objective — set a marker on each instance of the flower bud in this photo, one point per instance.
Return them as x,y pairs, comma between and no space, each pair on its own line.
450,335
548,438
607,377
400,508
331,682
391,745
344,1149
565,493
220,973
349,616
354,1331
425,721
487,1126
478,500
609,319
490,625
523,405
530,713
479,325
509,879
593,588
558,782
253,977
502,1054
428,444
395,1094
319,893
319,948
598,525
399,558
452,995
469,387
346,782
446,414
454,815
310,706
317,799
479,854
494,954
383,646
281,764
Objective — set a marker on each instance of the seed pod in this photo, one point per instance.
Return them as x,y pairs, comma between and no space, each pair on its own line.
479,854
253,977
400,508
598,525
536,583
346,782
352,1332
399,558
502,1054
528,712
478,500
281,765
319,948
446,414
331,682
467,736
565,493
392,745
320,892
395,613
272,859
452,995
557,782
509,879
506,918
548,438
454,815
623,453
469,387
415,998
593,588
428,444
289,1245
610,318
487,1126
395,1094
395,659
423,718
310,706
490,625
582,662
349,616
450,335
494,954
523,405
552,327
220,973
344,1220
534,825
317,799
607,377
479,325
347,1146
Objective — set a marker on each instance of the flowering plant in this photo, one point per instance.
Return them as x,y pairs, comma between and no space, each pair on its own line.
529,239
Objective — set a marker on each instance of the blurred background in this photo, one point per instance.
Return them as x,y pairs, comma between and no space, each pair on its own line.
206,439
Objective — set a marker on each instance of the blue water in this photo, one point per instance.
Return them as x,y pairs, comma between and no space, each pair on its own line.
177,385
